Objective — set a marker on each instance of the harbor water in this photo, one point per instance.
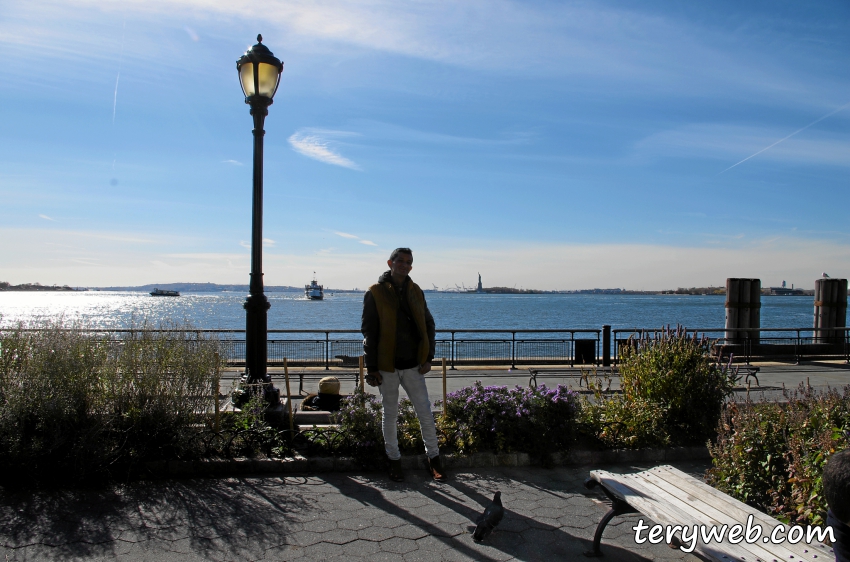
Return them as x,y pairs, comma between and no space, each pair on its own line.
341,311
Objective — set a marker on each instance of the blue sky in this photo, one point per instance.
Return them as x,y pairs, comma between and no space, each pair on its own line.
552,145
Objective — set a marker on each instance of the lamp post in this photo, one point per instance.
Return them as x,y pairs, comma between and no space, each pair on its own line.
259,73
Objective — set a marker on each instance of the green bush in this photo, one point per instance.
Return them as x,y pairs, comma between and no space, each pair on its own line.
771,455
676,371
76,406
612,422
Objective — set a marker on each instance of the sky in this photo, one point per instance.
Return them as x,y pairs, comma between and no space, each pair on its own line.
547,145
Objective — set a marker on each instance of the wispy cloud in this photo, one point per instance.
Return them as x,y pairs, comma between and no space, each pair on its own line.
267,243
234,162
355,237
315,145
45,217
191,33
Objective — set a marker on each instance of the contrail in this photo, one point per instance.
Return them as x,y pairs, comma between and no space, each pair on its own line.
789,136
120,60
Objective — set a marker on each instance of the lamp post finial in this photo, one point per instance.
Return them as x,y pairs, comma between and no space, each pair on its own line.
259,38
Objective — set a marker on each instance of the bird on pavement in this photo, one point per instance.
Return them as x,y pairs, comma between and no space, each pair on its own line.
488,520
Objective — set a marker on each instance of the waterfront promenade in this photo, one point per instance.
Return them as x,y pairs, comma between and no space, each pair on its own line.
772,377
332,516
355,515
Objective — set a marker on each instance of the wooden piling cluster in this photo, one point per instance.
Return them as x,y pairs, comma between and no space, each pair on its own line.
743,309
830,310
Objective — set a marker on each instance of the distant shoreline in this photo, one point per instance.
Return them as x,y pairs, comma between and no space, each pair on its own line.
216,288
31,287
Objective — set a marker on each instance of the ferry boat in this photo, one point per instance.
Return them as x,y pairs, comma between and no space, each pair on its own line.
164,293
314,291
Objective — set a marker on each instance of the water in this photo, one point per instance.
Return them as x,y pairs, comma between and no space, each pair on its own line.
103,309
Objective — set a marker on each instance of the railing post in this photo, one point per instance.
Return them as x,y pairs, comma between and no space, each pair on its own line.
798,344
327,351
573,354
606,345
513,350
444,388
452,350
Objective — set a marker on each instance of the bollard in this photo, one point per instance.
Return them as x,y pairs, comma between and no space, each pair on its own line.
743,310
830,310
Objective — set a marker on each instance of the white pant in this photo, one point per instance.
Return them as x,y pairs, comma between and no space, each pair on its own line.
414,385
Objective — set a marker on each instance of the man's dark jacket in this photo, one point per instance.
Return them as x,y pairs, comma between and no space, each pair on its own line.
407,333
841,546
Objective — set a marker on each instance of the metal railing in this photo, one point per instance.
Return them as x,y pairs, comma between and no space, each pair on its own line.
747,344
461,347
471,347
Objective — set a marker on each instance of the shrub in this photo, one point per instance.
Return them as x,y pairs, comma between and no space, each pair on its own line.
676,370
536,421
360,417
749,456
615,423
75,406
771,456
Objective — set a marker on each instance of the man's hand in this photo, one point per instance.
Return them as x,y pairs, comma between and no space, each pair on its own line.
373,378
424,367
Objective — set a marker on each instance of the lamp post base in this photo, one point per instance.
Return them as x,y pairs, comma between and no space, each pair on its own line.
247,389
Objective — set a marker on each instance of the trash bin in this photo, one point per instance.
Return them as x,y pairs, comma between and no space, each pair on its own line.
585,352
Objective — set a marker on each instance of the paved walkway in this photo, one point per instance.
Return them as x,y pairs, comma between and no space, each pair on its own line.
335,516
772,378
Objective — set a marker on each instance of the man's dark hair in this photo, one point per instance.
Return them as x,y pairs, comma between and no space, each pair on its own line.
836,485
398,251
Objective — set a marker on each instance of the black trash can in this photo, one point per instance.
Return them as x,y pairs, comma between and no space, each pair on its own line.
585,352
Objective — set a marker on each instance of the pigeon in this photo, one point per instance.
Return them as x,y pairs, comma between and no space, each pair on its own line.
489,519
825,276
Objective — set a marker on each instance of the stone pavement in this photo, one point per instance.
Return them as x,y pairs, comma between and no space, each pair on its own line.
331,516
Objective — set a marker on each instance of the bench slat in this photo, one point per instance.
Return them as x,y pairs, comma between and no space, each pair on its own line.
665,514
700,513
737,510
672,497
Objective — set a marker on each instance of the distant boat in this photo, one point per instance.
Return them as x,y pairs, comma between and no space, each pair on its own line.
164,293
314,291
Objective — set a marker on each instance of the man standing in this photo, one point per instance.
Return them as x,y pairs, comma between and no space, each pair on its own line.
399,343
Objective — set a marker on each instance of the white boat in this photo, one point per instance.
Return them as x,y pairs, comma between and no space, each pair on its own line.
314,291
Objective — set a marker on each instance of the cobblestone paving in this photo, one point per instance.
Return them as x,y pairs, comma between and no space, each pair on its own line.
334,516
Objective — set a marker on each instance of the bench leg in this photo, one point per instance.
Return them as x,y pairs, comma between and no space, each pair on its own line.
618,507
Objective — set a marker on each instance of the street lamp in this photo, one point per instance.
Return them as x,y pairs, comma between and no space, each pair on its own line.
259,74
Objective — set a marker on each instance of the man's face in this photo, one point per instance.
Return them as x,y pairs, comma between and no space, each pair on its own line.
401,265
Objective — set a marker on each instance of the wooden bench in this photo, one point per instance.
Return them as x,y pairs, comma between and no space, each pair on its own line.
745,372
670,497
580,373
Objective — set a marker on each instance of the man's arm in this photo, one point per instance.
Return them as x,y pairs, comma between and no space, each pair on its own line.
432,333
370,327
